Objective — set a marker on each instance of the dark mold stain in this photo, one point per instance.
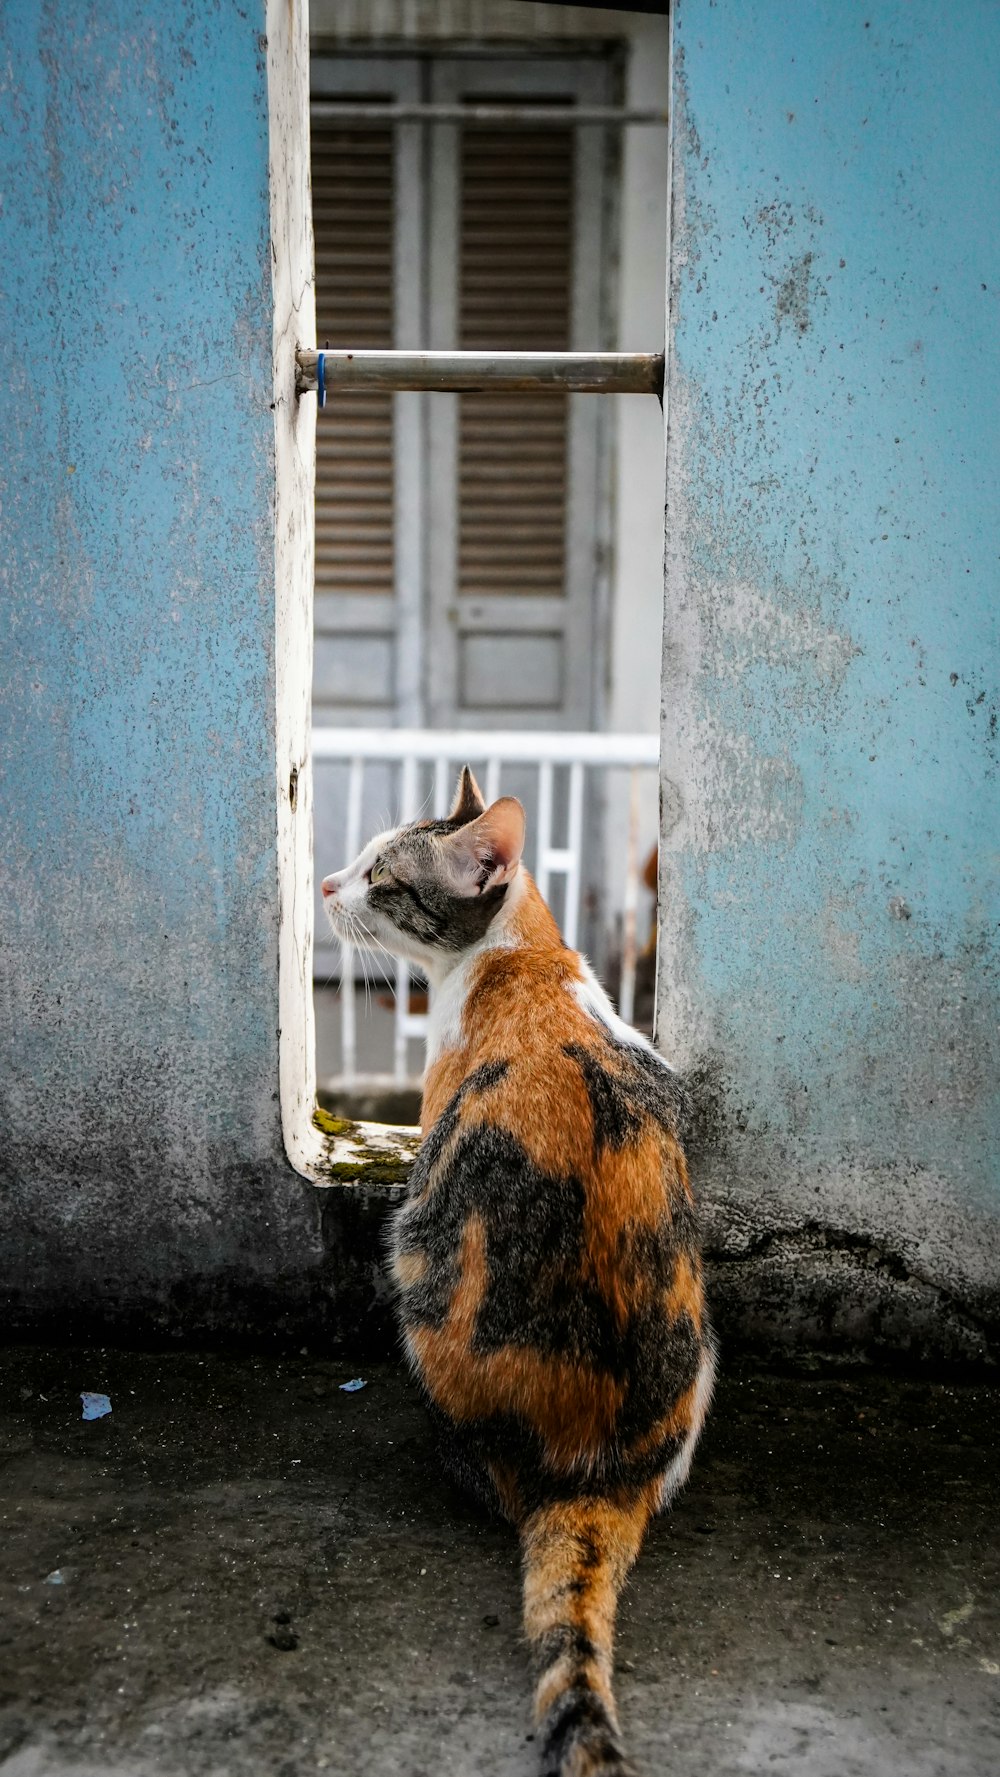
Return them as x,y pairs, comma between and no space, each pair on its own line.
707,1125
819,1294
792,301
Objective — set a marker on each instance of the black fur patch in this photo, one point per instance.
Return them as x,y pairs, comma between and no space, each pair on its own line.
538,1291
644,1083
480,1080
462,1459
564,1639
578,1717
534,1228
503,1442
616,1120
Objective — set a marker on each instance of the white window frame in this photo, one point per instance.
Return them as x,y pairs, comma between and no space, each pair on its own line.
311,1150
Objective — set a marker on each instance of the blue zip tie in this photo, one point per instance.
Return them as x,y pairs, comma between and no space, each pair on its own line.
321,377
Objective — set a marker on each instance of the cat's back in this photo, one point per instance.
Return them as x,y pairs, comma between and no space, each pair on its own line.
543,1056
547,1253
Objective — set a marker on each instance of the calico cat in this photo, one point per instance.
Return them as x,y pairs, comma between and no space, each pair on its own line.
546,1255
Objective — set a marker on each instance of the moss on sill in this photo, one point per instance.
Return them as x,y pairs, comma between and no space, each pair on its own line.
364,1153
334,1126
381,1170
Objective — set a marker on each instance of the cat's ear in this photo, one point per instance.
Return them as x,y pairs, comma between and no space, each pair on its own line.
486,852
468,801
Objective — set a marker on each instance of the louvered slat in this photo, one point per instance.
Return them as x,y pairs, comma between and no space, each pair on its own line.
514,294
352,188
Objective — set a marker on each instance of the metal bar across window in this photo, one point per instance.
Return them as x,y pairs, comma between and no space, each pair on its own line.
582,373
530,116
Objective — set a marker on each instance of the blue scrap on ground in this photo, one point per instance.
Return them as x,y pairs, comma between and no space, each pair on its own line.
95,1406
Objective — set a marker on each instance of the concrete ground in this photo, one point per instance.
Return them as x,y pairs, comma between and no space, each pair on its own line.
246,1570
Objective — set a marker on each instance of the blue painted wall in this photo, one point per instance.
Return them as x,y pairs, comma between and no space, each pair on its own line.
830,708
140,1140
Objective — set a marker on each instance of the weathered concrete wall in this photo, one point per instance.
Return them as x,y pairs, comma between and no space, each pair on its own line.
829,961
141,1161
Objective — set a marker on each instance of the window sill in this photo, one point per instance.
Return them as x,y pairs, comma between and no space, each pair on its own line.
352,1153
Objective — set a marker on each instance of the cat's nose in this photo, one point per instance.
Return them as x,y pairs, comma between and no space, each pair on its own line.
330,885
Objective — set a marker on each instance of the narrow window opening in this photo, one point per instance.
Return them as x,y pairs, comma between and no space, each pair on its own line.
476,596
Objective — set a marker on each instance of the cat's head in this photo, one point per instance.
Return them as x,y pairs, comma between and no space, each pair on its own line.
430,890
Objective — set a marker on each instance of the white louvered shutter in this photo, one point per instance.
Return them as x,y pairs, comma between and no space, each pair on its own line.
516,266
353,220
514,295
481,610
514,289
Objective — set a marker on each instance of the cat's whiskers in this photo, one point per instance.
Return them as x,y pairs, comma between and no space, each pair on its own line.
370,942
346,927
356,933
375,944
361,953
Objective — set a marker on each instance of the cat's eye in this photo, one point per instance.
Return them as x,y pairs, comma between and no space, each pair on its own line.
379,871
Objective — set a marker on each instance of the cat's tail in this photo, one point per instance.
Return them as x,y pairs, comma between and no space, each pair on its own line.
576,1554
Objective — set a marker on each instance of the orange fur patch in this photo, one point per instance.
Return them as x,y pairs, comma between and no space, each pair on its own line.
572,1409
576,1557
686,1294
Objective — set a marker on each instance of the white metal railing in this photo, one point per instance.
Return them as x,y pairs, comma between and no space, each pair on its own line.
444,750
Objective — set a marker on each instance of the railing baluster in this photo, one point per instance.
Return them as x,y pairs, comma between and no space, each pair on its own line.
492,781
399,1025
355,789
574,845
544,827
407,811
408,789
626,992
348,1008
441,788
348,1013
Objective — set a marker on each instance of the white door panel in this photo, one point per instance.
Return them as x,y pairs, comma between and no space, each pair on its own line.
459,562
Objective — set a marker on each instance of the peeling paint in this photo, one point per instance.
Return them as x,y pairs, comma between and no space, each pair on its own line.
756,798
778,630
